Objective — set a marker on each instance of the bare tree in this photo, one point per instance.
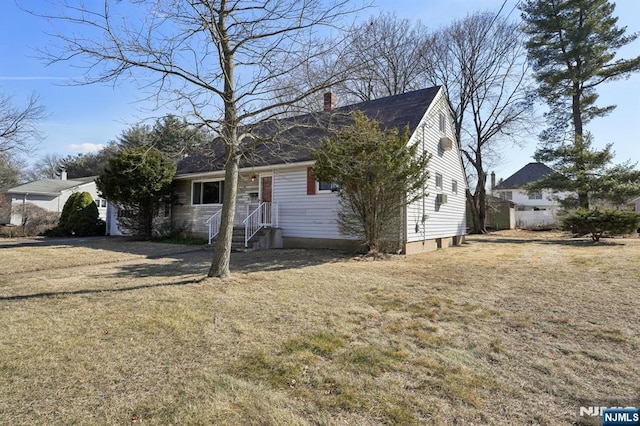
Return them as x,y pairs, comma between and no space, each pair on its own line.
481,63
18,131
390,54
223,59
47,167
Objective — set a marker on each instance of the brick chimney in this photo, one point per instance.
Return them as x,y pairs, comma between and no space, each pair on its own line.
493,182
330,101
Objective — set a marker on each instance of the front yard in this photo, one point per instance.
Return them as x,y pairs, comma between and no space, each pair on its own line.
510,328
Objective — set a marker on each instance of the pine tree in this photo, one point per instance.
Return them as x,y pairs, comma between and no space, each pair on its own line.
572,46
138,180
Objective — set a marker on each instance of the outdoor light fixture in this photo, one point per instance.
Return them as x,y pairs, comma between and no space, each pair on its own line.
254,178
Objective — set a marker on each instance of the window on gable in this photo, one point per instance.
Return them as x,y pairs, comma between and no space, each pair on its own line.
454,186
438,180
442,123
207,192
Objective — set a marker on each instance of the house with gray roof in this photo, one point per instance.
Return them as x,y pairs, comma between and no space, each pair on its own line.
277,191
533,210
51,195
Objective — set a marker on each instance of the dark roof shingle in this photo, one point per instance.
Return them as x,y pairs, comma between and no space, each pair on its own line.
298,136
532,172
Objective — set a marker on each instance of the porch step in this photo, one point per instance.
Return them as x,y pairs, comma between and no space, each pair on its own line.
237,240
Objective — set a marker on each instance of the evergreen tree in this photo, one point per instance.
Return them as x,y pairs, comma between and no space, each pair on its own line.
80,217
375,174
170,135
89,164
138,180
572,46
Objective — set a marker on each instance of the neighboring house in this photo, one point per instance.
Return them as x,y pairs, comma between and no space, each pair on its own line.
535,210
634,204
277,190
51,194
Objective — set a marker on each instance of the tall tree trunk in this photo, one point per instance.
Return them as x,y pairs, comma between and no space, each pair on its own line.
481,199
472,209
583,196
222,251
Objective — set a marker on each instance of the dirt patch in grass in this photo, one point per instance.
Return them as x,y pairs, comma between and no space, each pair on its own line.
517,325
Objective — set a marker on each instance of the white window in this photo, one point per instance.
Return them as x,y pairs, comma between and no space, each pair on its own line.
438,180
442,123
506,195
207,192
100,202
535,196
323,186
454,186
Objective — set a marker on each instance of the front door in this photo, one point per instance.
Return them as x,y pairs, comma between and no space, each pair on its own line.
266,192
266,188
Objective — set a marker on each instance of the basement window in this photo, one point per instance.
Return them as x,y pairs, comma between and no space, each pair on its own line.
207,192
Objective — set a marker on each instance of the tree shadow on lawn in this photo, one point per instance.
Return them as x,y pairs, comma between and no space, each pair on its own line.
193,266
568,241
150,249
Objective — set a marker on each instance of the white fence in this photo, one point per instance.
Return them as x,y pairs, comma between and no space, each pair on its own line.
535,219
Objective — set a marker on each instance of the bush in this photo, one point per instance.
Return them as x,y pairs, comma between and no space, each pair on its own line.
80,217
35,220
597,222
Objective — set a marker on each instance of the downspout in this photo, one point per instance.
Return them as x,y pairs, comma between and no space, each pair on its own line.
424,194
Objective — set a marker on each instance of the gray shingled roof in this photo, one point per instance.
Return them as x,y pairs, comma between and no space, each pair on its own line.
52,187
532,172
292,140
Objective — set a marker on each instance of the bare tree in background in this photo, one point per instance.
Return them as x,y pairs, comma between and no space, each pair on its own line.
46,167
391,55
18,131
223,59
481,63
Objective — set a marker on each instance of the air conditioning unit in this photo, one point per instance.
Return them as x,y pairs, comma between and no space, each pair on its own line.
445,143
441,198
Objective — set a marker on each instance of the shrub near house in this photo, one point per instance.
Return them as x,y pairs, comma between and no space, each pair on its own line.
597,222
79,217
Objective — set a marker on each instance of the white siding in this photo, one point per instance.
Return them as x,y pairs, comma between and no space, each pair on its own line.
302,215
449,219
53,203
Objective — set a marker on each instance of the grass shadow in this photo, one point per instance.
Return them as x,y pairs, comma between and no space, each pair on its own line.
101,291
563,241
192,267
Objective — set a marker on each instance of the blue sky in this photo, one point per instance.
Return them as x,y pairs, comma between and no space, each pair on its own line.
84,118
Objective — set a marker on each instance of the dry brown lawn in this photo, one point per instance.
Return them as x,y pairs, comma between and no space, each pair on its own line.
510,328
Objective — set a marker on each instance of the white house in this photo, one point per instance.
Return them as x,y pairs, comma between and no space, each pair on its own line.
52,194
533,210
277,190
634,204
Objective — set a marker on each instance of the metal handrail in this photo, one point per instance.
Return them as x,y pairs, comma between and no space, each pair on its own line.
266,214
214,225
